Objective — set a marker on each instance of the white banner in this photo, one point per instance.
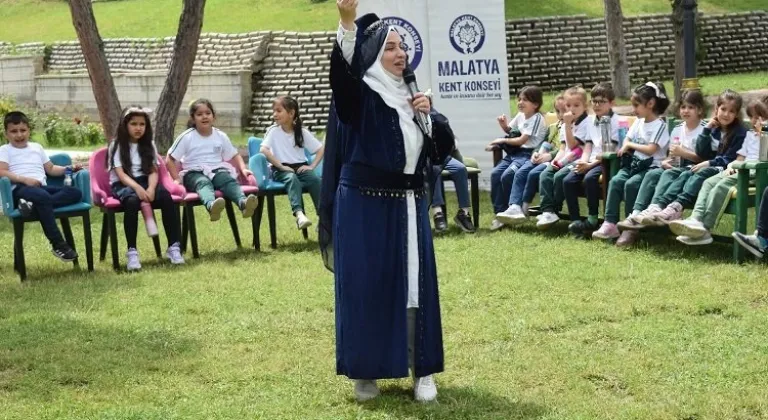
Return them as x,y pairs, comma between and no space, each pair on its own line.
467,42
409,17
458,49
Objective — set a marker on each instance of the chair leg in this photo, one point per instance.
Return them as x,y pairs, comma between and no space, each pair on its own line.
18,249
156,242
475,191
305,233
113,241
184,230
66,228
88,240
190,211
233,223
272,221
444,207
104,237
256,223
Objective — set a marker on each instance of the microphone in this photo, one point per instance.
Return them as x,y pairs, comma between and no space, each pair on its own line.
410,80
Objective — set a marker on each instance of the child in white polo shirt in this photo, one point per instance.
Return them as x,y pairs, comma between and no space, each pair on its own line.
284,146
26,164
205,152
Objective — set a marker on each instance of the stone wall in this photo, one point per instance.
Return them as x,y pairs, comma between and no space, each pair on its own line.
297,64
17,77
215,52
558,52
71,94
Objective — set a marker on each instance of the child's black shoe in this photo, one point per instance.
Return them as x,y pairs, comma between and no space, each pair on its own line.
64,252
25,208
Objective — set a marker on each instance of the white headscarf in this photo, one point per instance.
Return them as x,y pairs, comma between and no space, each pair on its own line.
395,94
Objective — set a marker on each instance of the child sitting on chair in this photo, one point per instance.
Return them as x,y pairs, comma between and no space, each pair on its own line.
26,164
283,147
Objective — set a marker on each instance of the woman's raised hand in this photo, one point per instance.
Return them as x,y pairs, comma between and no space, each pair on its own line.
347,12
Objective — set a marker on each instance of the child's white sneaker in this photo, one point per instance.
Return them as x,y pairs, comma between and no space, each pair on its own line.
547,219
512,215
248,206
133,259
649,212
302,221
424,389
174,254
496,225
704,240
689,227
215,208
630,223
365,390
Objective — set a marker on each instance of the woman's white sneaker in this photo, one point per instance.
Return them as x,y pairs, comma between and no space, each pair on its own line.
365,390
424,389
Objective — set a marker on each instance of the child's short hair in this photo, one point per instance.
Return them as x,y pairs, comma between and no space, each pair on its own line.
15,117
757,108
694,98
577,91
603,90
533,95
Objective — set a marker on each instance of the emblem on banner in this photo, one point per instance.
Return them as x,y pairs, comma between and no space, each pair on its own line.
467,34
412,42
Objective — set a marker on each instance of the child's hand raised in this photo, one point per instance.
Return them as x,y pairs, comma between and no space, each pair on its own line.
713,123
503,122
568,117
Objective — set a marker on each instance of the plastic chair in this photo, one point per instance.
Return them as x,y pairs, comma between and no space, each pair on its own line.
80,180
101,192
192,199
271,188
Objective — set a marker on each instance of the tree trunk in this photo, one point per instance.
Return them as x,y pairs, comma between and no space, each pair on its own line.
184,53
96,62
677,28
617,48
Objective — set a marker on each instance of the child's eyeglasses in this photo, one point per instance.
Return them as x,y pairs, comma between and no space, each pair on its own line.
599,102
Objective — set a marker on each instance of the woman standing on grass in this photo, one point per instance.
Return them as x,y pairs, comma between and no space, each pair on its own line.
375,208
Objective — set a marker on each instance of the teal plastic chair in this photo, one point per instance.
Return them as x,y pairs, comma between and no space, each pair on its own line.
80,180
259,166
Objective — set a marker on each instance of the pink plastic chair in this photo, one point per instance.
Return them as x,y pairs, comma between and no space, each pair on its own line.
192,199
101,192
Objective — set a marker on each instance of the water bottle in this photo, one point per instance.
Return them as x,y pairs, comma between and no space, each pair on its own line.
68,176
605,133
623,130
674,160
149,218
764,144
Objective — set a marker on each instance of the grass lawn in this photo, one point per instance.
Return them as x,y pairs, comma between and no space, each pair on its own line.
536,326
48,21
